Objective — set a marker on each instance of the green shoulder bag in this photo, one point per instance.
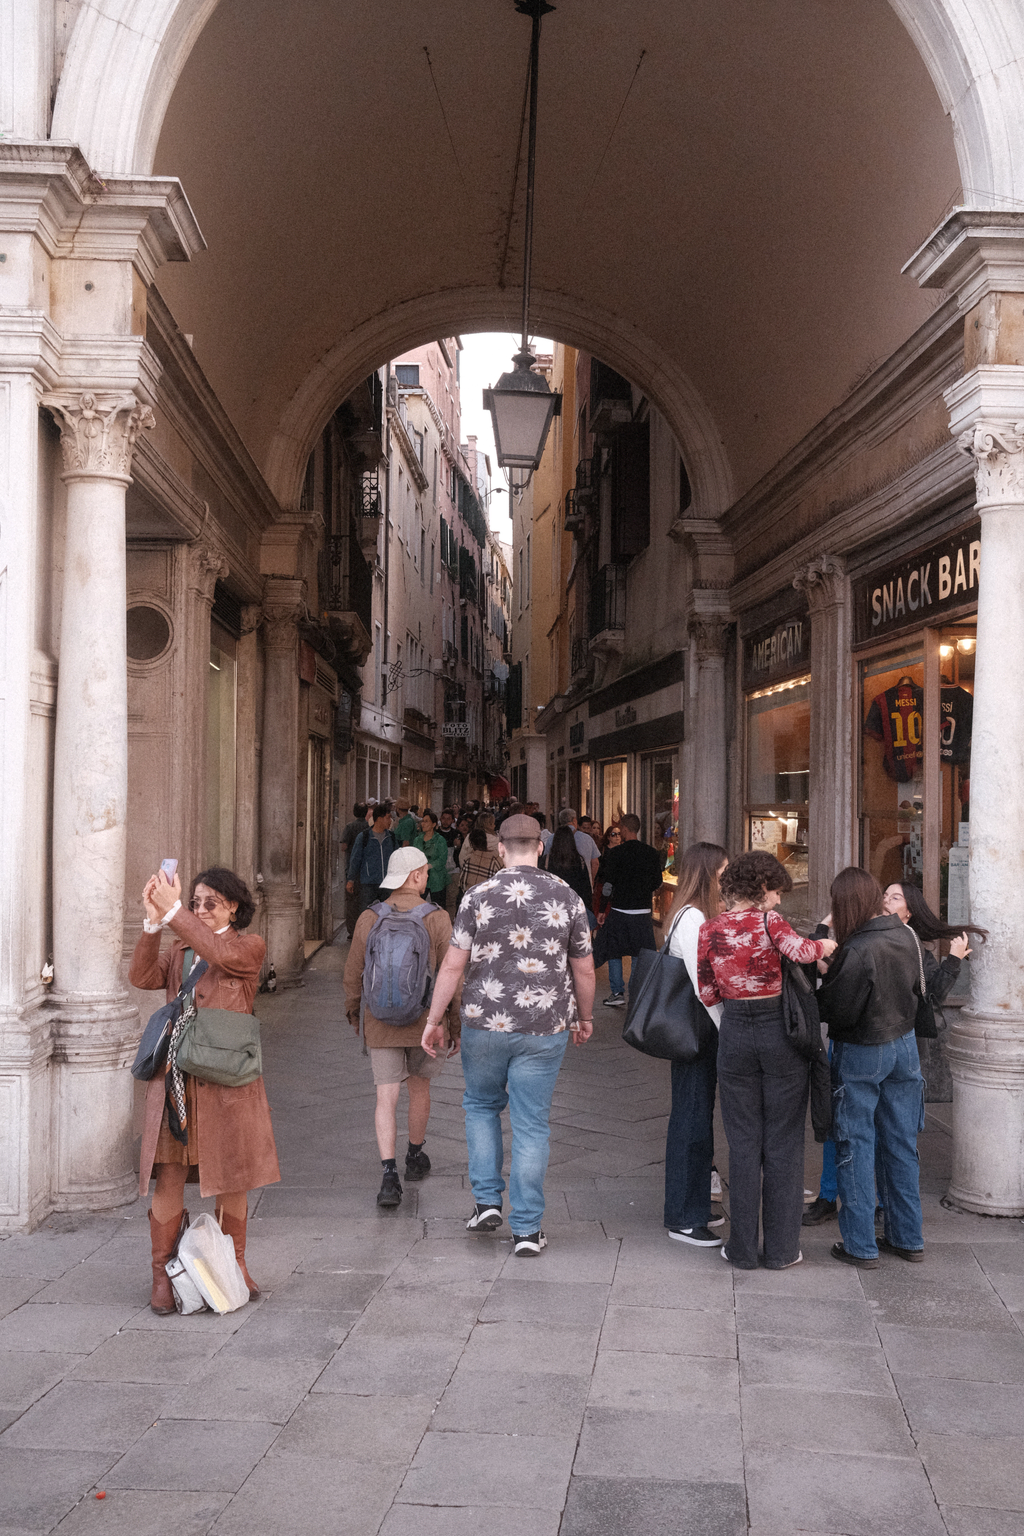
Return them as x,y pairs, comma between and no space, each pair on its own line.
218,1045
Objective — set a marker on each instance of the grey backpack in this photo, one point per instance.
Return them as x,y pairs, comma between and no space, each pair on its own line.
397,979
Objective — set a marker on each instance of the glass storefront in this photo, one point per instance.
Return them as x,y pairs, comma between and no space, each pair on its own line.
778,782
614,796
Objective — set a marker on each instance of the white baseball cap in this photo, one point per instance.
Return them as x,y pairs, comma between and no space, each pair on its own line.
401,865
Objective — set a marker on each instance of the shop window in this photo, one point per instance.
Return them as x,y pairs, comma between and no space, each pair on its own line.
614,803
659,815
220,750
778,782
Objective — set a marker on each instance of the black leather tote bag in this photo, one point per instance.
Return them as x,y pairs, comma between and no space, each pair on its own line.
664,1016
799,1005
151,1056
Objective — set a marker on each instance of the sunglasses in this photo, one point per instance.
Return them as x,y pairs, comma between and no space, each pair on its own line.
206,903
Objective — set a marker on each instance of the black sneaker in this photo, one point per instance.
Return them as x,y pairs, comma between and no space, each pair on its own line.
416,1165
840,1253
821,1210
699,1237
912,1255
486,1218
390,1193
615,1000
528,1244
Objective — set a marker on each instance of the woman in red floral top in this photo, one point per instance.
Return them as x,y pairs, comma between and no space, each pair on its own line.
762,1079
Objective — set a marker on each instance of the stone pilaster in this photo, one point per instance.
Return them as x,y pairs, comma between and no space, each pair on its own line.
96,1025
709,633
830,837
986,1043
283,607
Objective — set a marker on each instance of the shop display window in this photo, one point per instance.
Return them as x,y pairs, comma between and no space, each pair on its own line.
892,767
659,817
778,783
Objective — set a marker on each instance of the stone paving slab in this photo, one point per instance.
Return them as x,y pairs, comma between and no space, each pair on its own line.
400,1377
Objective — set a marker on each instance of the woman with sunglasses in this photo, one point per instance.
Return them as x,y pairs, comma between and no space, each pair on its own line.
196,1132
602,903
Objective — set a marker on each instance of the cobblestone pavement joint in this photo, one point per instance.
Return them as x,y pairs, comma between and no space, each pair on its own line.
403,1378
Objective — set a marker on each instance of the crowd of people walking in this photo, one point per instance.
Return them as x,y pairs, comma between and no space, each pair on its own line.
479,932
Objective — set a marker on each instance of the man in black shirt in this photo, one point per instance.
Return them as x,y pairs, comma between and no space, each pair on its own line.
634,872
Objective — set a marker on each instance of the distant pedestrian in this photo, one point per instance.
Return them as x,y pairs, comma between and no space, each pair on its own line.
407,825
564,859
368,860
485,822
481,863
633,870
430,841
763,1081
522,942
348,838
396,1054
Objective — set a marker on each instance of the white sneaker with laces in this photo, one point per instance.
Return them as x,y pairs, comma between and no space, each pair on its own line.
528,1244
716,1185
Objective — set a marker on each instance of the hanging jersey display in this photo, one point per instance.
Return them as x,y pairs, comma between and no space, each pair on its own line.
956,716
896,719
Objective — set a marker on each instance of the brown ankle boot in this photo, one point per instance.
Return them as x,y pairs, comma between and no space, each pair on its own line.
164,1238
235,1229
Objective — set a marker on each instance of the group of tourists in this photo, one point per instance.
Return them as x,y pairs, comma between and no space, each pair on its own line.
512,980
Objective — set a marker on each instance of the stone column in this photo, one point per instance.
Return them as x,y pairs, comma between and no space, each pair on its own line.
986,1044
283,607
830,834
96,1025
710,765
205,566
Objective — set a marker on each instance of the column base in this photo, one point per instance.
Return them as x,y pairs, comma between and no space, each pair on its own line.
24,1117
986,1061
92,1100
285,948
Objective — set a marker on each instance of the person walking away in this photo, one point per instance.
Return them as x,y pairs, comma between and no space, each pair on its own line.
633,870
588,850
430,842
485,822
564,859
220,1137
396,1055
480,864
690,1144
763,1081
369,860
407,826
348,838
522,942
869,999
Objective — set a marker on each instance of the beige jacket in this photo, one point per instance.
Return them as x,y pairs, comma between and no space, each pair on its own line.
377,1034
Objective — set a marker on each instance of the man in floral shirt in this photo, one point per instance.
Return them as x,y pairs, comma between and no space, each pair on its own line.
522,941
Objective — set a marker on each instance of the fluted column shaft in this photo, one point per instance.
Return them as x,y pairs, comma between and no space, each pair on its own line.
830,839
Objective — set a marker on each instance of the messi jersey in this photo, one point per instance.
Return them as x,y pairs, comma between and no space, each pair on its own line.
896,719
956,717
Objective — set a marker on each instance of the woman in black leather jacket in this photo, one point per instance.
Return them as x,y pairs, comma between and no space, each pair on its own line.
869,999
908,904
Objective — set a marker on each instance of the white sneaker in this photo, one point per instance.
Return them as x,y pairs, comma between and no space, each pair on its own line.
716,1185
528,1245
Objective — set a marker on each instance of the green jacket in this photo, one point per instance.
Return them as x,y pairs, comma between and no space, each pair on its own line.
406,830
437,852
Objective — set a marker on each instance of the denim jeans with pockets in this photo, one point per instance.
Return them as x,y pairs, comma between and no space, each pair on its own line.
878,1102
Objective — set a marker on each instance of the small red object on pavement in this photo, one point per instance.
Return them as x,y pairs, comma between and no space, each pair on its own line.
101,1495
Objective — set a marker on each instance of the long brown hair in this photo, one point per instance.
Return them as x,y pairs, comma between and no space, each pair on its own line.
857,897
698,880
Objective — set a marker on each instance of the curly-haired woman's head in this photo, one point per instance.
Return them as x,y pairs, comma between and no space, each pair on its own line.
223,897
751,876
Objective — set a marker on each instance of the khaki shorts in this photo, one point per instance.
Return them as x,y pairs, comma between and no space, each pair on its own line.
394,1063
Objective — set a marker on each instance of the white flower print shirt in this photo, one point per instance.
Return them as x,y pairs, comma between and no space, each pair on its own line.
521,928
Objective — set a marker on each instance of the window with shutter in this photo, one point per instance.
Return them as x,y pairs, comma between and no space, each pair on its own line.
631,491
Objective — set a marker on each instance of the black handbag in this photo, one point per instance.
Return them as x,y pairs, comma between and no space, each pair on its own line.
664,1016
799,1005
925,1027
151,1056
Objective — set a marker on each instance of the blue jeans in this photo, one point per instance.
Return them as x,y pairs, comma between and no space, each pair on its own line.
690,1147
520,1071
616,981
828,1189
878,1094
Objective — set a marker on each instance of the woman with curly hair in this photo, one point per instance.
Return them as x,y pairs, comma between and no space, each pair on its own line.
763,1081
200,1132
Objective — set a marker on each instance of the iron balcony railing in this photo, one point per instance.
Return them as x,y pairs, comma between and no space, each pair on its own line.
345,579
608,599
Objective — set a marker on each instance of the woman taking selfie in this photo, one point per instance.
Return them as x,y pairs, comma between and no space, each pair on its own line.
690,1146
221,1138
869,999
763,1081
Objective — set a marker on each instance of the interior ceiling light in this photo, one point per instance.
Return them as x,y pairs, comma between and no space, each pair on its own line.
522,404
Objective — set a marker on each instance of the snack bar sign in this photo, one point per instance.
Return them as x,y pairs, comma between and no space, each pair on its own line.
920,589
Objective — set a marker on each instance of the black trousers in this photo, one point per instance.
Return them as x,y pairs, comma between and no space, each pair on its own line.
762,1085
690,1147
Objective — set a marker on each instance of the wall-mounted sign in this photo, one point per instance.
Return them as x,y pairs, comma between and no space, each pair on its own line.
920,588
459,728
781,650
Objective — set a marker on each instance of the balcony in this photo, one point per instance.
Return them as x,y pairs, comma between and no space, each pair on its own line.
607,611
583,495
346,594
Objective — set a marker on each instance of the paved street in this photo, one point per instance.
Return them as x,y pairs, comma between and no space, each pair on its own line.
401,1377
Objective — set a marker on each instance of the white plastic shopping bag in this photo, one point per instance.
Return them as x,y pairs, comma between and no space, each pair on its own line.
208,1255
187,1296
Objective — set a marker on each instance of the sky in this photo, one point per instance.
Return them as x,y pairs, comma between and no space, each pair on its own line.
485,357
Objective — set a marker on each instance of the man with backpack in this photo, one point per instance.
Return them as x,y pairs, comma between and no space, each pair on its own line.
396,951
368,860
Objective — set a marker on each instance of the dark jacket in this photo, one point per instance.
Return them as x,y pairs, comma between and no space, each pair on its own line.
634,872
368,858
871,991
939,975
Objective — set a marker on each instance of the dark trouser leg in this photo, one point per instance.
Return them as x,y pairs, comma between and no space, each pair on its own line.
368,894
740,1095
690,1147
786,1085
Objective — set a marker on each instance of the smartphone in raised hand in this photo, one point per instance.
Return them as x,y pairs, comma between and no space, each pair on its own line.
169,868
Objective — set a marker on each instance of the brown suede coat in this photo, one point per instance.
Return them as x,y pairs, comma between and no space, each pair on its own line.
230,1137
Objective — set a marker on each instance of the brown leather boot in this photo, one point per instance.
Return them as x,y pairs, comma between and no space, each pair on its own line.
235,1229
164,1238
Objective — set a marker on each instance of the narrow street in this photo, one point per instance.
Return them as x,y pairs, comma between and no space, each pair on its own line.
401,1377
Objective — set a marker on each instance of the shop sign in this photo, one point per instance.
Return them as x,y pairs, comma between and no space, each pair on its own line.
456,728
920,589
783,650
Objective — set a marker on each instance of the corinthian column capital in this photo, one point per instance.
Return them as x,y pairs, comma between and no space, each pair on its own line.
98,431
283,606
710,633
206,566
997,448
823,582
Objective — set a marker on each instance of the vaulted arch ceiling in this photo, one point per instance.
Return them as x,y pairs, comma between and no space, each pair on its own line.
745,226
